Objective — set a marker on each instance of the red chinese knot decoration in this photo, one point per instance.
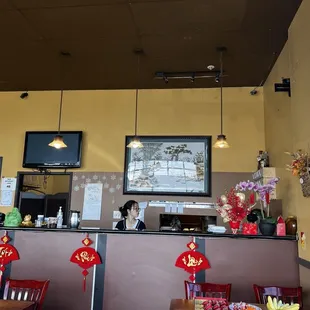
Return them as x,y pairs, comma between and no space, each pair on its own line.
192,261
8,253
85,257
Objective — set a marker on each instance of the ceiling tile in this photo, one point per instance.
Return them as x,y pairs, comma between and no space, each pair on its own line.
5,5
13,26
179,17
35,4
82,22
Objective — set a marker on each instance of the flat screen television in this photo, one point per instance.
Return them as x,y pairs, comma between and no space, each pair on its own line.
38,154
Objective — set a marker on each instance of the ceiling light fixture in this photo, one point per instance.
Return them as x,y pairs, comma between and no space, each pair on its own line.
135,142
221,142
187,75
58,142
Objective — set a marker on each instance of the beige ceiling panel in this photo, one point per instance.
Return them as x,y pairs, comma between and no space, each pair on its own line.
30,4
83,22
14,26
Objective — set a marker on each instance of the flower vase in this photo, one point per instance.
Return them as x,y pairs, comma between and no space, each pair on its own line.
234,225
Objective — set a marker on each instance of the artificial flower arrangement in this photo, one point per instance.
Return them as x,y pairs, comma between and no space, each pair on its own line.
263,192
233,208
299,163
300,168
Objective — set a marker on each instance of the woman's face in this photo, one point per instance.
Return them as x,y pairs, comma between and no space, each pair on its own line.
134,211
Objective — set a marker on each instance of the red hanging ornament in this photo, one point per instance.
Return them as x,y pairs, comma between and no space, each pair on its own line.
192,261
8,253
252,199
86,258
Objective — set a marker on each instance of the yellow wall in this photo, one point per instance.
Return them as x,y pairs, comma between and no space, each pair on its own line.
107,116
53,184
279,136
287,120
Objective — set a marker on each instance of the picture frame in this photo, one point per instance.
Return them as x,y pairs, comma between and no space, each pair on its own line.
168,166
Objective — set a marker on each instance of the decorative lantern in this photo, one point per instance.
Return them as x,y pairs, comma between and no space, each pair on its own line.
8,253
192,261
86,258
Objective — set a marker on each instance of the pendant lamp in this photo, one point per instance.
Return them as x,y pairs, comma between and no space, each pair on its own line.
58,142
221,142
135,142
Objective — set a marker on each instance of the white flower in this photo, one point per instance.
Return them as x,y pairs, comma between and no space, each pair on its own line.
104,177
121,178
82,185
111,189
76,188
118,186
83,176
106,185
113,177
88,180
95,177
75,177
99,181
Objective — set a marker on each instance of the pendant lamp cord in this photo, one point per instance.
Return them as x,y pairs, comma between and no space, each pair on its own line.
60,111
137,96
221,86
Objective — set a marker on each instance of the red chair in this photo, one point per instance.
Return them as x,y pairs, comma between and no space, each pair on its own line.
207,290
286,294
26,290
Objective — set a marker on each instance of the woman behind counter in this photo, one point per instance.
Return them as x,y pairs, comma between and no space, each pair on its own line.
130,212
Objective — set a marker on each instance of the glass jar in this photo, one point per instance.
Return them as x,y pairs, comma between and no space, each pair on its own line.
291,226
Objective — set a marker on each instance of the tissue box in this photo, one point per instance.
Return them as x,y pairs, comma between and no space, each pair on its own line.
249,229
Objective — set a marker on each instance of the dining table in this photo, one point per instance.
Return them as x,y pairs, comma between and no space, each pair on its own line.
16,305
189,304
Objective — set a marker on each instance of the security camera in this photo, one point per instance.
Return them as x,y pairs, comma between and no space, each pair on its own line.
253,92
24,95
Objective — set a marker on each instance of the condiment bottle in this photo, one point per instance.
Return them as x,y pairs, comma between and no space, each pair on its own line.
59,218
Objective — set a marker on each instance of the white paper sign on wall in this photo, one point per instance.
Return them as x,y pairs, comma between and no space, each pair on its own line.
116,215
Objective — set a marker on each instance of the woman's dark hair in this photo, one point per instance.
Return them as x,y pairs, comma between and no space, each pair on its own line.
127,207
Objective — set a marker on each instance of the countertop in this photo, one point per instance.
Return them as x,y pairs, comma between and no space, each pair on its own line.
149,232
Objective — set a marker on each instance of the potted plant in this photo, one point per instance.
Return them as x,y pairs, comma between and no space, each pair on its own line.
267,224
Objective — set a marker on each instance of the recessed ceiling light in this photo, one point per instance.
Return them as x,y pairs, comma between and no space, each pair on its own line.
211,67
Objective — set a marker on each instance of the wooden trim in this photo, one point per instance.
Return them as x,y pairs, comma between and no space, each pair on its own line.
303,262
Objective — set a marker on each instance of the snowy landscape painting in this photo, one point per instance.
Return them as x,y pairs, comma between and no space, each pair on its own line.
169,166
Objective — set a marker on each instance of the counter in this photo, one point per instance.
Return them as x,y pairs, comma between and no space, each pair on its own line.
137,270
148,232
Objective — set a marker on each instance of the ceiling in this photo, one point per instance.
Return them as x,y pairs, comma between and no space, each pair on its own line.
100,35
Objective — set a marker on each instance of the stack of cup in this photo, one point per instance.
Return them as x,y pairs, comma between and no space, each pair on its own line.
39,221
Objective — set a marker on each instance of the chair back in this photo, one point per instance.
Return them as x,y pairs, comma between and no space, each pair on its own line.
26,290
286,294
212,290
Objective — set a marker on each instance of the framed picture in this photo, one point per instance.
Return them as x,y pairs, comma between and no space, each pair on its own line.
169,165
